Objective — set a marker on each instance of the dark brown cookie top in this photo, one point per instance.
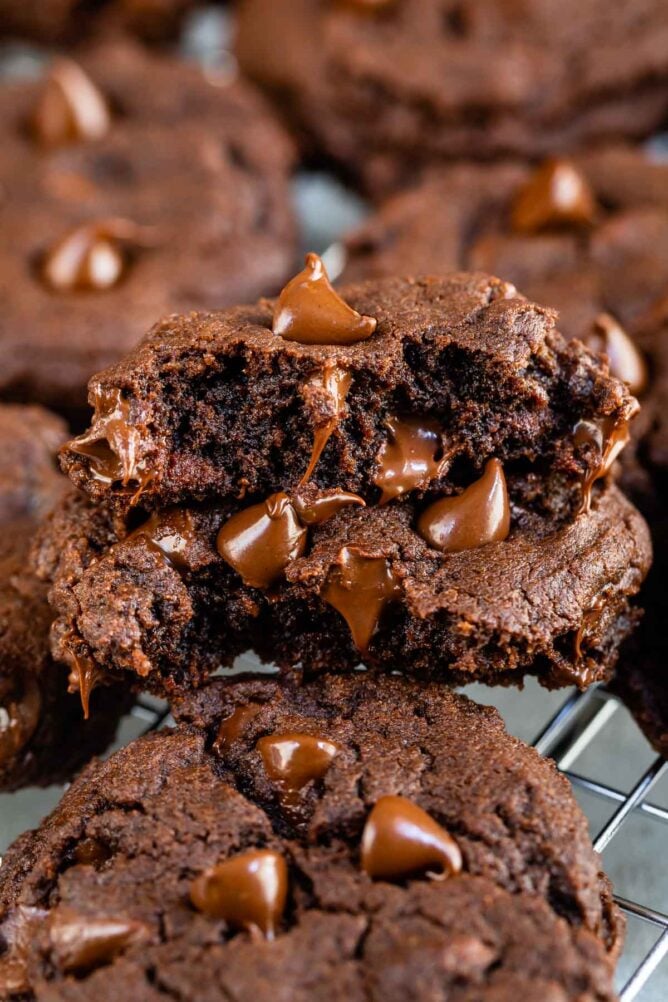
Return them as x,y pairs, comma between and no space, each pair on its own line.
140,188
228,405
143,866
384,87
66,21
551,600
42,736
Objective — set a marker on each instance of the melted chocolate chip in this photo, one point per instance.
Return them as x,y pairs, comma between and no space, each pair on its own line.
92,257
83,678
19,717
112,443
479,515
248,891
335,381
557,196
411,457
170,532
359,587
294,760
70,108
91,852
626,363
607,436
401,840
310,311
82,942
259,542
232,727
590,620
323,505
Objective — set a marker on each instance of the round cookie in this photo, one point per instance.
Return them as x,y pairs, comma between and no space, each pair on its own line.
43,738
136,882
63,21
134,185
386,87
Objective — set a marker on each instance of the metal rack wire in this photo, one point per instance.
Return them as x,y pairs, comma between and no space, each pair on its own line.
566,735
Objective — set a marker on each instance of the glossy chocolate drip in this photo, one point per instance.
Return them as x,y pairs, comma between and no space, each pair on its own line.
170,532
310,311
359,587
401,840
70,108
83,942
83,678
479,515
608,436
590,621
336,383
248,891
112,443
626,363
557,196
231,729
19,716
294,760
92,257
259,542
313,510
412,456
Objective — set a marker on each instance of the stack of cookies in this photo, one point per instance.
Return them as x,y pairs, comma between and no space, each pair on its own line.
419,477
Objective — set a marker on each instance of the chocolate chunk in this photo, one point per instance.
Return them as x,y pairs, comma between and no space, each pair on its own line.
259,542
294,760
70,108
360,586
81,942
113,441
626,362
412,456
400,840
171,533
477,516
92,257
314,509
308,310
607,437
233,727
558,195
248,891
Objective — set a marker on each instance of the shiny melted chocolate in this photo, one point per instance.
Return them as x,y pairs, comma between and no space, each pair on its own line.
19,716
248,891
557,196
477,516
412,456
609,338
590,621
83,678
608,436
70,108
171,533
401,840
112,443
293,760
360,587
259,542
92,257
336,383
309,310
324,505
231,729
82,942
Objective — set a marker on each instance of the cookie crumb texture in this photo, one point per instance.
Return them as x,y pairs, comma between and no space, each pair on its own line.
432,497
106,897
135,186
382,88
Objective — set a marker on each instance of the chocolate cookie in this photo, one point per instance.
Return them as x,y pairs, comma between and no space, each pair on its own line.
67,21
186,866
133,185
386,86
368,584
223,406
588,236
43,738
